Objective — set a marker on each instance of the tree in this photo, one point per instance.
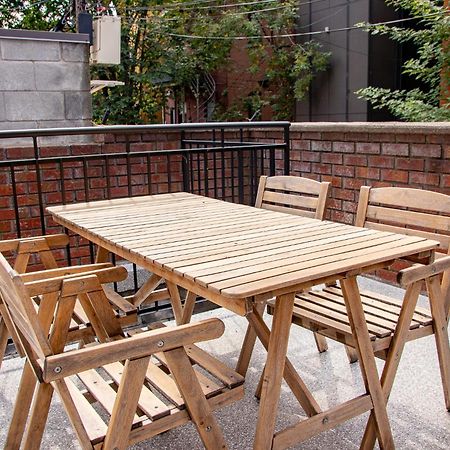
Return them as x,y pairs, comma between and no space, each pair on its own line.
177,44
41,15
430,68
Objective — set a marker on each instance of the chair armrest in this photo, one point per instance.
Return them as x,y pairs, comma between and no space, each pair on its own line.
47,285
31,244
137,346
421,272
62,272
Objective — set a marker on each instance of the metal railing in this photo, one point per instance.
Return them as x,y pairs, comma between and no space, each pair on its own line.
221,160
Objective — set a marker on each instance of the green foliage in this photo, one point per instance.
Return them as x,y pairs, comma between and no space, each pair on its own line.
159,53
430,67
32,15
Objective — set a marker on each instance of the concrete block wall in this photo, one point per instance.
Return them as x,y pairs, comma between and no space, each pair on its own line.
44,80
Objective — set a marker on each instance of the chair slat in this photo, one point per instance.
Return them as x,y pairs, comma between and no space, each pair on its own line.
294,184
442,238
417,219
411,198
148,402
299,201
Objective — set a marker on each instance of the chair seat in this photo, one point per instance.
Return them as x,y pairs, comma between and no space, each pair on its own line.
324,311
161,406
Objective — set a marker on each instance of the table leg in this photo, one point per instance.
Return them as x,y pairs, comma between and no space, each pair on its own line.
367,361
394,354
273,374
292,378
248,344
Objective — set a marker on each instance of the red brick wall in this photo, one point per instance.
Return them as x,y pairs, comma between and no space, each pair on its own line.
351,155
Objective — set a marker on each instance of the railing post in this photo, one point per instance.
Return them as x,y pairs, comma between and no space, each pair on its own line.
39,183
287,150
184,163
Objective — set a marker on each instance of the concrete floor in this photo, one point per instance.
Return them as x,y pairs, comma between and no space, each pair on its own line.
416,408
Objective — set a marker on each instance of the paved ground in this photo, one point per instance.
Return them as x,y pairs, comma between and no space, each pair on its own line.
418,416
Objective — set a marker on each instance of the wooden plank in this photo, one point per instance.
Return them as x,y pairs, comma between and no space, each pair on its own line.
347,257
326,309
442,238
245,249
136,347
410,198
294,184
52,240
84,418
125,404
239,243
367,361
416,219
102,205
296,278
221,371
195,401
315,248
209,387
293,200
326,420
101,390
148,402
164,383
146,289
289,210
390,305
273,373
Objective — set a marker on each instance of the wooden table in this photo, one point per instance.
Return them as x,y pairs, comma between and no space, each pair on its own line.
238,257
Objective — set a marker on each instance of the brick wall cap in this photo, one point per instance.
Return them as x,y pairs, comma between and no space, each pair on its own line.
373,127
31,35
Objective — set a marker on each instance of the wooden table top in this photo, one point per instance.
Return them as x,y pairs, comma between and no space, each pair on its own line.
231,250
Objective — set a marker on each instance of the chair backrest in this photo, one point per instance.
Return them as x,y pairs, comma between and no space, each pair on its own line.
409,211
22,312
293,195
405,210
43,331
41,246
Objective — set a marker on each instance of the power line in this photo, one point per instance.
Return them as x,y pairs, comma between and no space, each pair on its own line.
171,19
182,6
310,33
32,5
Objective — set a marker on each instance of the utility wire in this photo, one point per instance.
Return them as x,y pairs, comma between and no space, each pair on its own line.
171,19
310,33
182,6
32,5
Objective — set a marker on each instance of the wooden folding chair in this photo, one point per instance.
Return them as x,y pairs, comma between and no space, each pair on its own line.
291,195
121,390
41,248
391,322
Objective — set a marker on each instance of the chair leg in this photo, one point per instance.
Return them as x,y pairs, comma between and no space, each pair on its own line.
196,403
4,334
21,408
393,356
125,404
440,334
352,354
367,364
38,417
321,342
